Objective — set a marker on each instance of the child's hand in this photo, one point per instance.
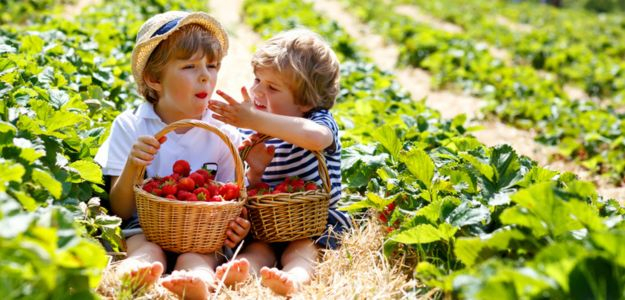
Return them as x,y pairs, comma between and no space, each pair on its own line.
239,114
237,230
143,151
258,158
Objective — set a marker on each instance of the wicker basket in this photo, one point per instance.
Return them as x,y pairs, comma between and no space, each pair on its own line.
182,226
290,216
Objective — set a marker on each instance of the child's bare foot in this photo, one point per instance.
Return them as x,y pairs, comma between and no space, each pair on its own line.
139,273
239,271
187,285
280,282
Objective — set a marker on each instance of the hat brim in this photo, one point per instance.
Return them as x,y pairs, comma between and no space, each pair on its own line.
142,51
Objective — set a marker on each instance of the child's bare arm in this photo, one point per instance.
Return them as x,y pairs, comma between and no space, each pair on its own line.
122,194
295,130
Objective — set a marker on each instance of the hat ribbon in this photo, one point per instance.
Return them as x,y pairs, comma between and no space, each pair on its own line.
167,27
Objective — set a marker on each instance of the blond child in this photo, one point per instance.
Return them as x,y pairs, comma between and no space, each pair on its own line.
175,63
296,82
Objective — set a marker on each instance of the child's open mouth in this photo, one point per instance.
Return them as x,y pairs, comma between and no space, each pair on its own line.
201,95
259,106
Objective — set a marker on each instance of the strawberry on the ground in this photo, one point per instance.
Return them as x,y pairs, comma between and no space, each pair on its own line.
182,167
186,184
229,191
197,178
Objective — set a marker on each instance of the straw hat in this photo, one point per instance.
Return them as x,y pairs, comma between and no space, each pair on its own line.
159,27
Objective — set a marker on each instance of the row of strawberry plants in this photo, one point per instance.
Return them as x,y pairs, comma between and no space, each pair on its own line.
483,222
581,48
21,11
61,85
583,130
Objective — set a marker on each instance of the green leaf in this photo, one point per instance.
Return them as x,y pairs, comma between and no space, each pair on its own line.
48,182
88,170
420,165
31,44
596,278
10,171
465,214
420,234
387,137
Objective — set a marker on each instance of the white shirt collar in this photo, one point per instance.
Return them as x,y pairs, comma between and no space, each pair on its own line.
146,111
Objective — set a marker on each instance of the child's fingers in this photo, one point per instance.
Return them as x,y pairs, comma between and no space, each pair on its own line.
243,213
246,95
227,97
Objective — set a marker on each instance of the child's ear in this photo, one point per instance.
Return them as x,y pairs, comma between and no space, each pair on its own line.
153,83
305,108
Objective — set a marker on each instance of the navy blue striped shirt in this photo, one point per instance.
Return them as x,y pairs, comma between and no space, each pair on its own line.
291,160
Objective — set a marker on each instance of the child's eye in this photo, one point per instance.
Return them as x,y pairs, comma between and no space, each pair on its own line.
211,66
271,87
188,67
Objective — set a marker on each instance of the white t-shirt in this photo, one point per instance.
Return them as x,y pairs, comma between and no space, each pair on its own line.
198,146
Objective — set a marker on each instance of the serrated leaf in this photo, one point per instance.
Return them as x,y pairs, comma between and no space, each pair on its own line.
48,182
420,165
420,234
88,170
387,137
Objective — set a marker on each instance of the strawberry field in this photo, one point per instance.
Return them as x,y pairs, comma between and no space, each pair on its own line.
463,219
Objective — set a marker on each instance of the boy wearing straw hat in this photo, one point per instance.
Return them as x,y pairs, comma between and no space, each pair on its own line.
175,63
297,81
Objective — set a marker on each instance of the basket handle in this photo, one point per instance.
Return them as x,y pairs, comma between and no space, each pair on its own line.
238,163
323,169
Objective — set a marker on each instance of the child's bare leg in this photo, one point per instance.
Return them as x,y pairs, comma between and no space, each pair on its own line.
145,262
193,277
255,256
298,262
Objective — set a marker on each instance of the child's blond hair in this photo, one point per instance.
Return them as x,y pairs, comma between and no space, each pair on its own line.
307,62
182,44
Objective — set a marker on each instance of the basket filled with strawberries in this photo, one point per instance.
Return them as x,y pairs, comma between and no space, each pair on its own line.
294,209
189,211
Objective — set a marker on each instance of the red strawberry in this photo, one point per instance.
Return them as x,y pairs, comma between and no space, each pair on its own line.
212,187
252,192
202,194
205,174
311,186
183,195
192,197
281,188
197,178
171,197
186,184
182,167
216,198
297,184
157,192
169,189
150,185
229,191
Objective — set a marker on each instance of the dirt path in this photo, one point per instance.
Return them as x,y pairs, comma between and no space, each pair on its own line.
74,10
236,70
417,82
